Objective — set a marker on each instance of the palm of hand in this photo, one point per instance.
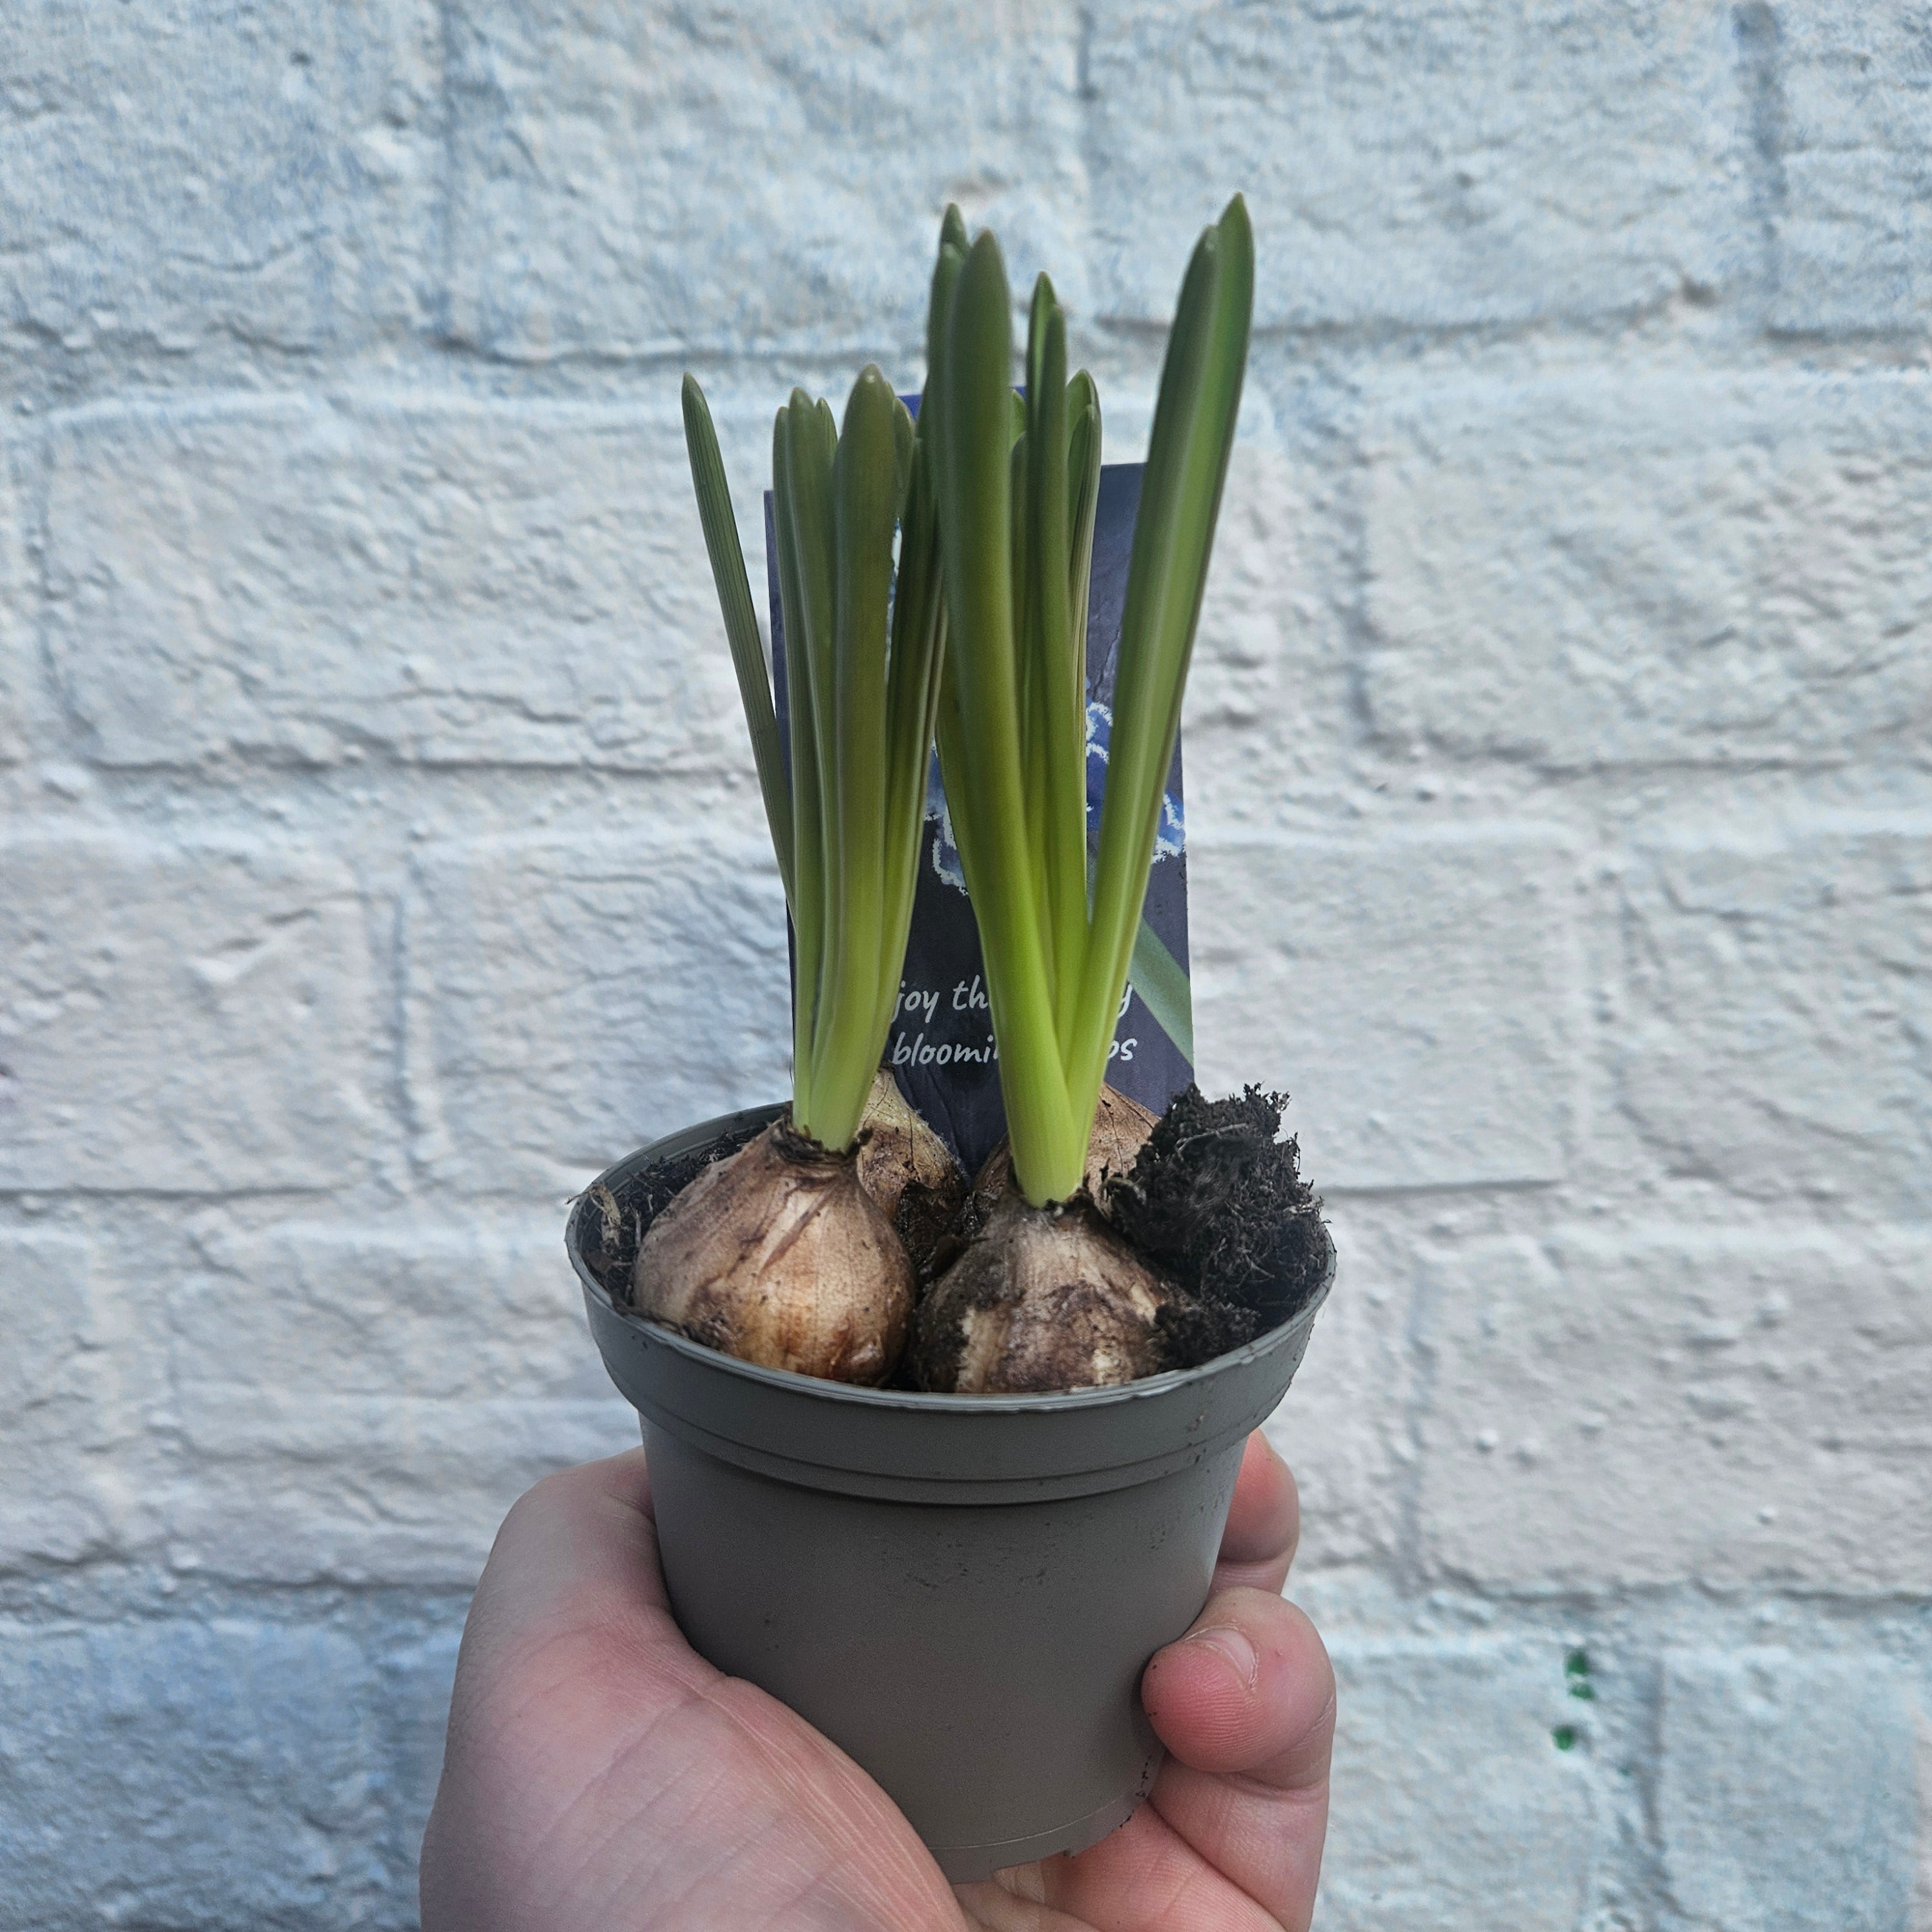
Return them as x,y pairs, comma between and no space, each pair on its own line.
601,1777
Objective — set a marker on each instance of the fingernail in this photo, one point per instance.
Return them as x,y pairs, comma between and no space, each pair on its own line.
1230,1643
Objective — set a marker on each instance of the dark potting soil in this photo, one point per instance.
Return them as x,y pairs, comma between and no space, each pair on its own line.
1217,1201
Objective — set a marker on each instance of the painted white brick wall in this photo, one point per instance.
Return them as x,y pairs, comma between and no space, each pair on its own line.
1651,569
380,856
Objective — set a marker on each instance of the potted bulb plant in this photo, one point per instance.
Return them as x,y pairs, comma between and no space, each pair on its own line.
941,1466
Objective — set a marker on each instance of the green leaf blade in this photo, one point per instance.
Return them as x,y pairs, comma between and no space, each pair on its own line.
807,815
1195,418
720,526
864,487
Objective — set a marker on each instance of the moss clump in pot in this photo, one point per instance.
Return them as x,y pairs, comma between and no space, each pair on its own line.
1079,1255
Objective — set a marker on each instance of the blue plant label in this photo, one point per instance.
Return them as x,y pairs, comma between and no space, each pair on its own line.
940,1048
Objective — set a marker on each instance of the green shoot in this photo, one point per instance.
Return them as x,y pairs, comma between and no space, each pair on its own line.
862,673
741,621
1015,516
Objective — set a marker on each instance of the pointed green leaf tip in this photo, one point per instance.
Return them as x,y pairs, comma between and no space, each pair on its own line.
720,526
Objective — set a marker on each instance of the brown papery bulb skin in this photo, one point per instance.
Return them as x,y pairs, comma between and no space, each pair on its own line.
1120,1129
906,1167
779,1256
1044,1298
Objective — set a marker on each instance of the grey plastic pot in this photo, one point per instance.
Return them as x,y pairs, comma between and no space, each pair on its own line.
962,1591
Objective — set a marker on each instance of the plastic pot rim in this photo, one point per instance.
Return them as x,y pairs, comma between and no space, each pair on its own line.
1170,1387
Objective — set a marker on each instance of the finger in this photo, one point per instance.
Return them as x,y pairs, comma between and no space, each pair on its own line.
1245,1703
578,1553
1263,1523
589,1526
1233,1835
1248,1692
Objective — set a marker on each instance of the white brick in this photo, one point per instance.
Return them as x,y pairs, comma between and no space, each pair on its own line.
1775,1014
426,1313
57,1411
1450,1795
1272,711
1413,994
1652,570
1852,145
416,1674
569,1001
368,1406
304,1485
17,662
218,1777
1439,162
1260,596
1340,1425
191,171
1790,1800
456,584
180,1016
636,181
1723,1408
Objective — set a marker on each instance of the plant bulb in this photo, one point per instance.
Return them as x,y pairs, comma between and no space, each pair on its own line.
779,1256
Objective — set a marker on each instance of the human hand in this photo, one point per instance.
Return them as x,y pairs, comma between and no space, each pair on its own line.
601,1777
